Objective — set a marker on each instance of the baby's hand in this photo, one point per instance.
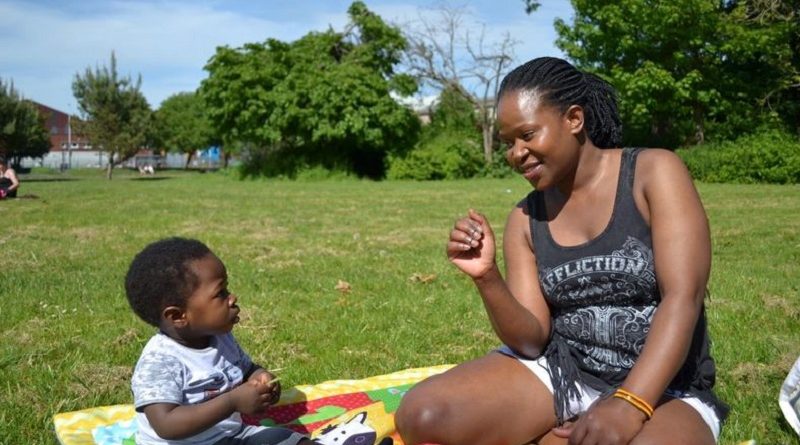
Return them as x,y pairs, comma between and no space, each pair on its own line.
251,397
273,386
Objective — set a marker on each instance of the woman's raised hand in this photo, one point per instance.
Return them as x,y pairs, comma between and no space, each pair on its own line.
471,246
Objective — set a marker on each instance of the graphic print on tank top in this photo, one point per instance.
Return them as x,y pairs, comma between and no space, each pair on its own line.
604,301
602,293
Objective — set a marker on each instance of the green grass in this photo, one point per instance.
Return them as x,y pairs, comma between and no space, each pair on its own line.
68,339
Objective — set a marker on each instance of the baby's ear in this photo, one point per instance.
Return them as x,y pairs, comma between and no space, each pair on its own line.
175,316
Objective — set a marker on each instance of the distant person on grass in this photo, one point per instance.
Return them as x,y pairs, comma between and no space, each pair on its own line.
9,183
146,169
601,309
193,379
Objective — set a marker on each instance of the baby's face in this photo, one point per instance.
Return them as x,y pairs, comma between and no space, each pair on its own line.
211,309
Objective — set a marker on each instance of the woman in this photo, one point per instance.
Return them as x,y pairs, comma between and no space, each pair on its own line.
601,309
9,183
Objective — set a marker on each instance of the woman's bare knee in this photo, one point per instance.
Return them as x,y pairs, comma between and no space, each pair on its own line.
420,415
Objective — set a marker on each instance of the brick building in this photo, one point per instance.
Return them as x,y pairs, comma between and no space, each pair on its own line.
68,147
71,149
62,133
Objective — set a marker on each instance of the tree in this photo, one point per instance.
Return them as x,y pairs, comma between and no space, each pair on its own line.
182,125
449,146
116,116
323,100
683,68
453,112
22,130
782,14
531,6
445,55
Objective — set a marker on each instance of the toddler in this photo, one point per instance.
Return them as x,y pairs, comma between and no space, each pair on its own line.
193,381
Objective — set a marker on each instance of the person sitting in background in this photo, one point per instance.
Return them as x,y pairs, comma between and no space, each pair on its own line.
146,169
9,183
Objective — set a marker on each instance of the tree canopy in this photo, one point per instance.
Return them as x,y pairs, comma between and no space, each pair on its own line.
116,114
531,5
322,100
449,147
687,69
182,126
22,130
453,112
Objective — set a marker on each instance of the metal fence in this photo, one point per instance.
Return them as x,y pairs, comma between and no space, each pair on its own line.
98,159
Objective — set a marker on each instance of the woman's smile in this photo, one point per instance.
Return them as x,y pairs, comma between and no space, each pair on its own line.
531,171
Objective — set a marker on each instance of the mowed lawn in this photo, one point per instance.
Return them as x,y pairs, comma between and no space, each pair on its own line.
68,339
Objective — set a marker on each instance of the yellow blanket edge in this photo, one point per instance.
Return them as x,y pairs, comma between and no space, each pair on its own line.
75,427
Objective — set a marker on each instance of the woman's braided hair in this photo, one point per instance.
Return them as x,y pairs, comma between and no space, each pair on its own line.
562,85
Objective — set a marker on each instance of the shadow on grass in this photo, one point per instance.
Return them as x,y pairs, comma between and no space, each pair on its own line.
47,179
151,178
784,424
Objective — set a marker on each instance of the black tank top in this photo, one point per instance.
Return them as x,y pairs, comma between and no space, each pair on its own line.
5,183
602,296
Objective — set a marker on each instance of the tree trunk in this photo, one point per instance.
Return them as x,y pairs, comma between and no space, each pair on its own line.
188,160
110,167
487,144
487,128
699,126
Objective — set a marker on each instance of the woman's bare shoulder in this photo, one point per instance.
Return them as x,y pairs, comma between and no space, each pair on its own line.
660,164
649,156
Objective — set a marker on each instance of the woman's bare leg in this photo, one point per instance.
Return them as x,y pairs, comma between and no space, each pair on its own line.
675,422
492,400
551,439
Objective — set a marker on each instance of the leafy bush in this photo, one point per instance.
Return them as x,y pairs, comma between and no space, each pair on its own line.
319,173
285,163
270,162
445,156
499,167
769,156
449,146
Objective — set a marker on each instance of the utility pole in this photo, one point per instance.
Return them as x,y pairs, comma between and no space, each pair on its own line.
63,160
69,137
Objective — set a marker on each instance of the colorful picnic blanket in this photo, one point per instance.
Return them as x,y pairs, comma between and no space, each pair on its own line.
308,409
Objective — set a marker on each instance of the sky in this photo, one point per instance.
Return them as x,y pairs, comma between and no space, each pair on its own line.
45,43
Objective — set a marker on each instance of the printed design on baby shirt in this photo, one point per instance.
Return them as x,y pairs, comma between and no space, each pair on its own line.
220,382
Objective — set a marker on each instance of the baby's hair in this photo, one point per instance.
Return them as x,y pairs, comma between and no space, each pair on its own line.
160,276
560,84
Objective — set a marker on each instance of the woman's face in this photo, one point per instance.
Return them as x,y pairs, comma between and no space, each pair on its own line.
543,144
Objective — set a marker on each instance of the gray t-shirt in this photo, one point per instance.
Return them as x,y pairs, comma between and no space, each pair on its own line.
168,372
